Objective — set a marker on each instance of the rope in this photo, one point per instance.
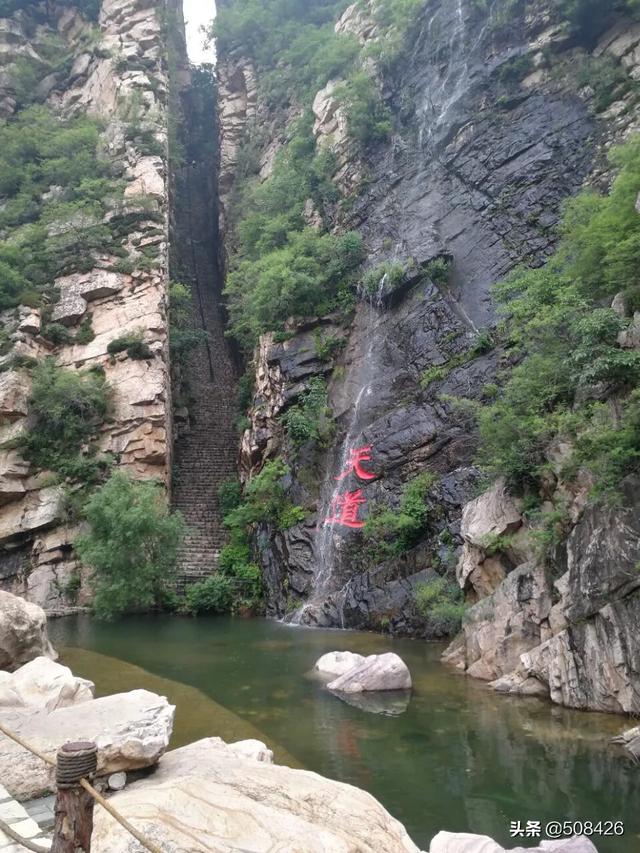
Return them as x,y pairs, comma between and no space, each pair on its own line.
13,835
148,845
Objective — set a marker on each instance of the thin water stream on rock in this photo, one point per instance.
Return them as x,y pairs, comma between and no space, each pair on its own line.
459,758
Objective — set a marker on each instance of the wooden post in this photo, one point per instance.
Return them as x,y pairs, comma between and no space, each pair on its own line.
74,806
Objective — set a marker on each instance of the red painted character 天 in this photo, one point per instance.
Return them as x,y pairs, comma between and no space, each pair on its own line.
345,509
357,456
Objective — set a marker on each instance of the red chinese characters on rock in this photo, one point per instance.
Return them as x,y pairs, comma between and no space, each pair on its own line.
345,508
354,465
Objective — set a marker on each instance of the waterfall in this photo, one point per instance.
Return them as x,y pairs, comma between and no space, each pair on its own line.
448,89
328,539
449,78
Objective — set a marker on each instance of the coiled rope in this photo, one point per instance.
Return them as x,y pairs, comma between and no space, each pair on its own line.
146,843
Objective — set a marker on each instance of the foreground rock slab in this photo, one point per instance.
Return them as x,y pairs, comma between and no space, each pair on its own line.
132,730
45,685
204,797
23,632
462,842
376,672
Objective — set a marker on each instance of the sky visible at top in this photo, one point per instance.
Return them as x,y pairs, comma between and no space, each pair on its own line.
198,13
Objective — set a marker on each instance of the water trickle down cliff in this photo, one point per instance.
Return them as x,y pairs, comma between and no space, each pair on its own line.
476,170
206,440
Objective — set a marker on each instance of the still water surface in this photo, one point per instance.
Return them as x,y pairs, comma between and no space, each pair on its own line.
459,757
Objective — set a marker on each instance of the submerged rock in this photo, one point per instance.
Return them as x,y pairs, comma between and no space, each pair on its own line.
205,797
388,703
376,672
337,663
45,685
462,842
132,730
23,632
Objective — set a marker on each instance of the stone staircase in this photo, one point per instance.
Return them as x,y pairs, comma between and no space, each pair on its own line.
206,449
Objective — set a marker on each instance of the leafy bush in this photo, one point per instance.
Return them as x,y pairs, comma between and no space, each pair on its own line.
555,317
46,233
183,338
440,602
307,420
214,594
390,533
302,278
57,334
229,496
390,273
132,545
133,344
368,117
292,41
264,500
66,409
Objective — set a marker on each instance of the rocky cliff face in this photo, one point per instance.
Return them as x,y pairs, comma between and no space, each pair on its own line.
492,131
118,73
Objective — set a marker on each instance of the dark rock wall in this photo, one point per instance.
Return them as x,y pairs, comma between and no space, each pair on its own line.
477,169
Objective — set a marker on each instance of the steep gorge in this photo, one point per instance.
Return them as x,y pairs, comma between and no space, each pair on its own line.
485,122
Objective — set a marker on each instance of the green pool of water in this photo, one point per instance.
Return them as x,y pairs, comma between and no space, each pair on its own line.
459,758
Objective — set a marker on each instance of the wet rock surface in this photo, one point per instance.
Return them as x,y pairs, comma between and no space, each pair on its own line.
475,172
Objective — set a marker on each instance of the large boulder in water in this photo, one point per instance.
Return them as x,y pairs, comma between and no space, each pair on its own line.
45,685
337,663
23,632
376,672
462,842
132,730
205,797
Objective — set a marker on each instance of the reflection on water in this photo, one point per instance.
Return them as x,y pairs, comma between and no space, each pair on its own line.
459,758
391,703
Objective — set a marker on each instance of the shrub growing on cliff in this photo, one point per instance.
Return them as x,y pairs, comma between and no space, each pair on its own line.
556,317
388,532
54,188
264,501
132,545
308,420
368,117
440,602
66,409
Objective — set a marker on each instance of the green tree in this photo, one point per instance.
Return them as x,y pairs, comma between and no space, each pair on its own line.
132,545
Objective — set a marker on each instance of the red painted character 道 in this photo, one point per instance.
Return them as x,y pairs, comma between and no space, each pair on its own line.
357,456
346,508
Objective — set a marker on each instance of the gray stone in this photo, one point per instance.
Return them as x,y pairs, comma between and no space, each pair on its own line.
376,672
23,632
117,781
132,731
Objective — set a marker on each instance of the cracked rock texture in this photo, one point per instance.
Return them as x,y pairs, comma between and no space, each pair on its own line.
125,63
476,172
